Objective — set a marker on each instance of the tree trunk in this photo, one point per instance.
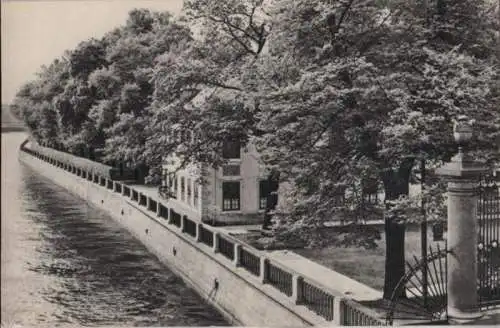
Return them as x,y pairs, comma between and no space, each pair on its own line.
394,257
141,173
396,183
272,198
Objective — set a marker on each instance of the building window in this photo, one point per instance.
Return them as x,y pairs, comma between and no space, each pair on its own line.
231,149
231,196
370,191
263,193
196,196
183,188
172,184
164,177
188,191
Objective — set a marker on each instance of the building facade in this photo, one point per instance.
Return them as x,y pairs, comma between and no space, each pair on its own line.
235,193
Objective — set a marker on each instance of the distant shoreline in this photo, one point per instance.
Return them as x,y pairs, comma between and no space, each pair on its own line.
7,129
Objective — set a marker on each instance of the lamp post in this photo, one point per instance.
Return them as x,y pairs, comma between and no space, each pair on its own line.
462,175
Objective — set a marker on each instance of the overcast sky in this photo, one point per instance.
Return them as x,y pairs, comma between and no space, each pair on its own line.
36,32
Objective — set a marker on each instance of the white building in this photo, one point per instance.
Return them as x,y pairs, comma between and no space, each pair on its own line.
234,193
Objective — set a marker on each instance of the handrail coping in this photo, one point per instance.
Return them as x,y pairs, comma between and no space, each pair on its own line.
363,308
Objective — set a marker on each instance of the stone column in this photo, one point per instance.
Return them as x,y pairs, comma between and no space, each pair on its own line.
297,288
216,242
263,269
158,208
198,231
237,259
462,175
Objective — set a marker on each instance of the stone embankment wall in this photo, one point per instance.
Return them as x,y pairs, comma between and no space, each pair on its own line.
244,285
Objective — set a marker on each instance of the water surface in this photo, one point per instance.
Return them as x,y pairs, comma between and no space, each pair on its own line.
64,262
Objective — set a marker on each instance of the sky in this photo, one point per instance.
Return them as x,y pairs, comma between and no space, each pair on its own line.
36,32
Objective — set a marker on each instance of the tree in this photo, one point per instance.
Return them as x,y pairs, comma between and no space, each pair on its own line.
87,57
92,86
360,89
146,36
201,86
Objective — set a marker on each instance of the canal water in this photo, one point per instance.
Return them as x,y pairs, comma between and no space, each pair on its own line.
65,263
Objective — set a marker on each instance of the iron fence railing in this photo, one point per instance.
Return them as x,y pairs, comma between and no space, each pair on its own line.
163,212
249,261
189,227
152,205
279,278
317,300
135,195
175,218
489,242
206,236
353,314
143,200
226,247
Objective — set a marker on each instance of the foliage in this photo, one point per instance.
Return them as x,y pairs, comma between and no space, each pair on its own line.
335,95
99,92
200,87
362,91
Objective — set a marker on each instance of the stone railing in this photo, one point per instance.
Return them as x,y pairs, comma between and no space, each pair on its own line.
87,165
299,289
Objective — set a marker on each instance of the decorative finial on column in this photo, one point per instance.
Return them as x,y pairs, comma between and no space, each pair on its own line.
462,174
462,132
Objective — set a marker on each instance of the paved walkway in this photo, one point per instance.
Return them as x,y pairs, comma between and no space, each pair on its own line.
490,318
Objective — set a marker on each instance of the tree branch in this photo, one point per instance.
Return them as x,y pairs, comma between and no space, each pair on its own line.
237,39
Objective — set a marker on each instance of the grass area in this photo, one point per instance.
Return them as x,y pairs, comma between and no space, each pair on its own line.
366,266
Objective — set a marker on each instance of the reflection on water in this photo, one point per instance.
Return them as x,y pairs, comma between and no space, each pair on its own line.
64,262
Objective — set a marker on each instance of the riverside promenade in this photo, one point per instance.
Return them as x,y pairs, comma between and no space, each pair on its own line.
311,270
283,281
332,279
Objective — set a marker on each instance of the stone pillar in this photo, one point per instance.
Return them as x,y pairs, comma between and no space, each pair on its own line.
338,311
237,248
462,175
216,242
169,219
182,223
158,209
297,288
263,269
198,231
